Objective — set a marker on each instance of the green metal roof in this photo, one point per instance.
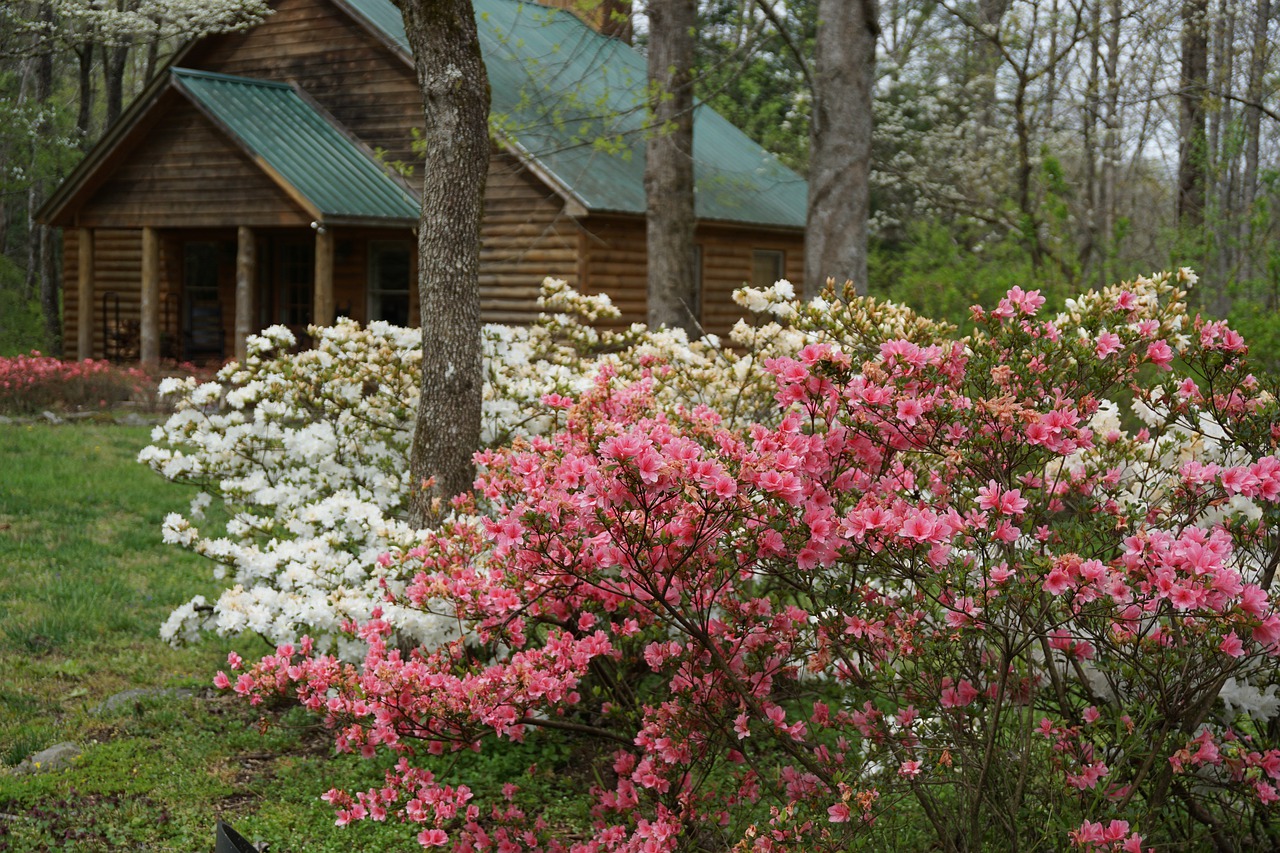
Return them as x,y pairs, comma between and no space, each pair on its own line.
304,148
573,101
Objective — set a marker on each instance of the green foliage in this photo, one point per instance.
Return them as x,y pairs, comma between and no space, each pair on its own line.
21,329
1260,325
751,77
86,582
940,275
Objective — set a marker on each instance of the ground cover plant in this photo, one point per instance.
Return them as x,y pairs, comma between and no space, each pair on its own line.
934,589
84,583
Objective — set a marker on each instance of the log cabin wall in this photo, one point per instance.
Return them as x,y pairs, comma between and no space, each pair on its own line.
117,257
185,173
616,263
352,266
349,72
525,237
728,256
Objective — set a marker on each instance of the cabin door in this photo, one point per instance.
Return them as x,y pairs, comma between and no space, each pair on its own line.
202,329
286,270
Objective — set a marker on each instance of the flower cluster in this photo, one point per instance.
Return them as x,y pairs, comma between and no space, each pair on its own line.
33,382
307,451
948,572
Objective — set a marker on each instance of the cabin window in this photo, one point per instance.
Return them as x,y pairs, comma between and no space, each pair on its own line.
767,266
389,282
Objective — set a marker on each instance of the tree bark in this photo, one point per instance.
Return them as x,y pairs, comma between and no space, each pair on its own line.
84,117
1252,134
1191,117
1091,251
1110,144
50,305
668,174
115,58
987,56
840,144
455,93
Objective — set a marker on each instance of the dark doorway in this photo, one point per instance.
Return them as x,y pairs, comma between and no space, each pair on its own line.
203,337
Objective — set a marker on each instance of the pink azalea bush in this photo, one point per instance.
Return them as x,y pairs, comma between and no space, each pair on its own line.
34,382
948,588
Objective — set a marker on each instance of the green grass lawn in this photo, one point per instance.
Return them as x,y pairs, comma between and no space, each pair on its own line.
84,584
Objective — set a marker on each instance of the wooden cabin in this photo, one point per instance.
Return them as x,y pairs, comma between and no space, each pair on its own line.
267,176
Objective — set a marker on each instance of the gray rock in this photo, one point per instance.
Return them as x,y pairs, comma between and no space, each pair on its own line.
126,697
132,419
57,757
52,418
5,420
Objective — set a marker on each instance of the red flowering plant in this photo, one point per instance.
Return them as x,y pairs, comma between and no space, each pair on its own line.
34,382
946,588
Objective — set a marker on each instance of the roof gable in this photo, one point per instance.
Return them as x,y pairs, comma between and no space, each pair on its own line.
328,172
311,159
571,101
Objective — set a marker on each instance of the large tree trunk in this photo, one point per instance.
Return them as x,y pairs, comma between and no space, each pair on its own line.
840,144
1192,151
455,96
84,117
1110,144
50,306
1091,250
1252,134
668,173
987,56
115,59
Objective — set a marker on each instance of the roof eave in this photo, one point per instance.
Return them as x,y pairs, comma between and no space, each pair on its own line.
338,220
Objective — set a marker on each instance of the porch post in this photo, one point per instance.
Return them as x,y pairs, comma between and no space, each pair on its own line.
85,273
246,267
150,350
322,308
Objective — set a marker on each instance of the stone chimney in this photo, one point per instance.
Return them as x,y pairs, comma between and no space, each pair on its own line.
610,17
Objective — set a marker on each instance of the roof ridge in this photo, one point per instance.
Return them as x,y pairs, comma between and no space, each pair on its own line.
228,78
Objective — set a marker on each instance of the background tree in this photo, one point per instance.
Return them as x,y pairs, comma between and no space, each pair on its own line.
50,54
668,175
840,143
455,96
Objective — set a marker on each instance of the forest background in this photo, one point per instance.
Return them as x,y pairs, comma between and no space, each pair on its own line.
1057,144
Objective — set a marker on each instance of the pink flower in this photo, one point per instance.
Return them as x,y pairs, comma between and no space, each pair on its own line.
1057,582
1231,645
909,411
1108,342
958,696
433,838
921,525
1159,353
909,769
839,813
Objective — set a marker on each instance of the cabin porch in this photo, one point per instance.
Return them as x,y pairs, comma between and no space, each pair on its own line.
196,294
